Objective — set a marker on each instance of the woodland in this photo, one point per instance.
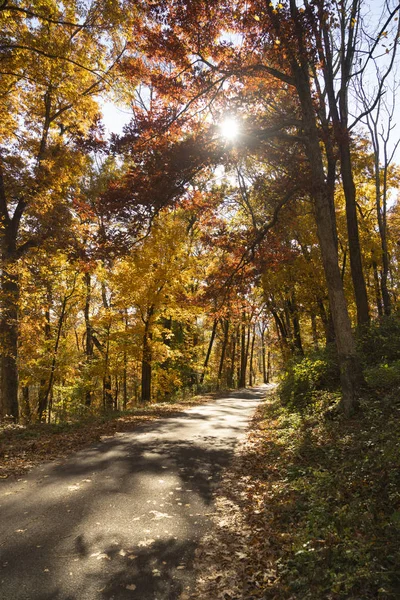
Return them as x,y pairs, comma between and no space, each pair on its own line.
242,228
246,216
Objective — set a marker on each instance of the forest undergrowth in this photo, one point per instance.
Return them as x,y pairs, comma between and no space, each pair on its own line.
311,509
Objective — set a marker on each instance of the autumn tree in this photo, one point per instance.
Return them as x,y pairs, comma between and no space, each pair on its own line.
55,60
292,51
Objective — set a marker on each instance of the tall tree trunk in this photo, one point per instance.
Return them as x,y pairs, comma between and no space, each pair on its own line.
269,367
116,393
89,347
357,274
44,400
125,368
339,117
381,210
9,341
231,372
147,358
377,289
210,346
243,353
350,368
327,321
264,367
293,309
223,352
26,409
107,383
251,377
281,331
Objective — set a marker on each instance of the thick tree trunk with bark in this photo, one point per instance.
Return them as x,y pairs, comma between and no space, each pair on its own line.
350,368
357,275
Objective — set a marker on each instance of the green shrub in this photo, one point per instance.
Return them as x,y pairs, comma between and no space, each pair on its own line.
305,376
380,341
384,376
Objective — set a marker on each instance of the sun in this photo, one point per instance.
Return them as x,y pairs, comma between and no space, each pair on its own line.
229,129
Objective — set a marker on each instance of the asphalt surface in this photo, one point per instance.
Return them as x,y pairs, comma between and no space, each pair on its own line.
120,520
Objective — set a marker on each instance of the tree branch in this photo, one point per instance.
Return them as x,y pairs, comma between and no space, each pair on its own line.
99,73
33,15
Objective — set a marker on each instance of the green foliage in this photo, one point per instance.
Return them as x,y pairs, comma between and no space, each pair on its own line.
329,500
305,376
380,342
384,376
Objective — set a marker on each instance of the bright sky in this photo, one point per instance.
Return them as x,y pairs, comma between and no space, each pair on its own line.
114,117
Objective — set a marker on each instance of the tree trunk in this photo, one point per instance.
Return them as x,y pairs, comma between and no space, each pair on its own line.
44,400
107,384
26,408
381,210
125,368
231,373
377,290
357,275
338,106
251,377
147,356
9,341
326,318
293,309
210,346
264,368
146,370
89,335
243,354
223,352
350,368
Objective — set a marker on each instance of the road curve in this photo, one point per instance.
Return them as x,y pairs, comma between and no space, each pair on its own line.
120,520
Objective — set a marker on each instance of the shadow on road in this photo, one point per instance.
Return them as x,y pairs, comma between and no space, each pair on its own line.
121,515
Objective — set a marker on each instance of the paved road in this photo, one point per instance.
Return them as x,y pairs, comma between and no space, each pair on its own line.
121,519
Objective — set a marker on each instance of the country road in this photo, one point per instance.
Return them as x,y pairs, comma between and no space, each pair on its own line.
120,520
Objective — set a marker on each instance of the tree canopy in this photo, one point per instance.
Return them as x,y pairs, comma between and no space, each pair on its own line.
245,216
